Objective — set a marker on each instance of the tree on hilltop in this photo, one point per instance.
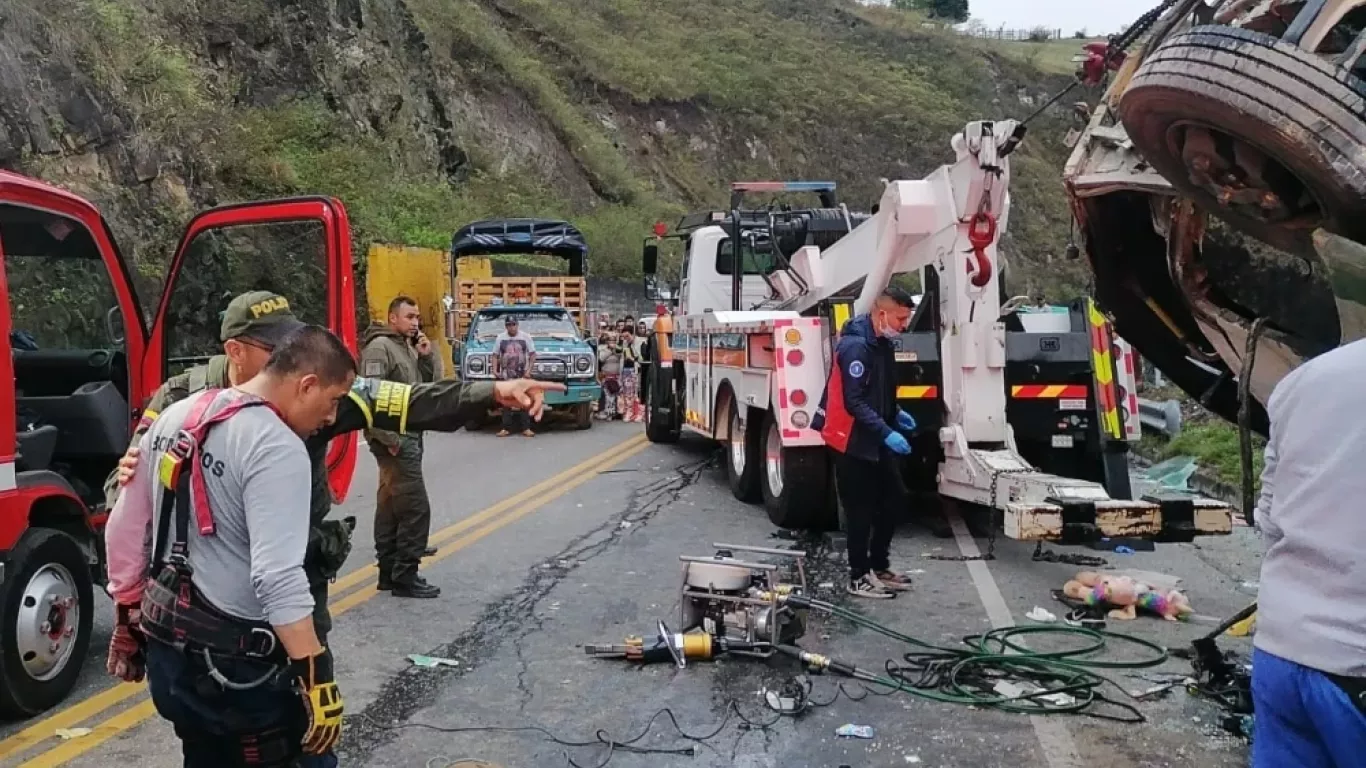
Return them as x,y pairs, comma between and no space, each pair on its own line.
950,10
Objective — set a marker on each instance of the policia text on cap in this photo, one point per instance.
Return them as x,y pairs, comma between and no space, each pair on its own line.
252,325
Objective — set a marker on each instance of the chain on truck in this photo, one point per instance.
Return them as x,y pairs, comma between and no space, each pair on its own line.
79,360
1028,414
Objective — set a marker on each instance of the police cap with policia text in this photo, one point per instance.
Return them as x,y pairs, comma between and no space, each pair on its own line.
262,316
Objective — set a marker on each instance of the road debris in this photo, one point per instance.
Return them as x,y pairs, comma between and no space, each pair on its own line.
1041,615
851,731
430,662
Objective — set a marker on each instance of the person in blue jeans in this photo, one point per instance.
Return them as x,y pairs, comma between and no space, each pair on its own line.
1309,662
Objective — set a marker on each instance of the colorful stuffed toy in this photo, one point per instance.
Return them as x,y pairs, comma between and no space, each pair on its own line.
1126,595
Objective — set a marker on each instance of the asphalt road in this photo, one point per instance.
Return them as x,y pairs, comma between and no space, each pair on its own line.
573,538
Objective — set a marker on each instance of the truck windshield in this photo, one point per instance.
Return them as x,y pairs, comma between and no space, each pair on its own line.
752,262
555,325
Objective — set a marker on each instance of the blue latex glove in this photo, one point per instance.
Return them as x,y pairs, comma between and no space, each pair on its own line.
897,442
904,422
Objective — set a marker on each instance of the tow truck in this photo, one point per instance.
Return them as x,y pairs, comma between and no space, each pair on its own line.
750,374
79,358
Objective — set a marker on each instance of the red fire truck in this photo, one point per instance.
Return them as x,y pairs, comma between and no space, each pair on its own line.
85,343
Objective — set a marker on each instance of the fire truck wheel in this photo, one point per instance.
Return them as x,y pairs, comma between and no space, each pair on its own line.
1256,130
795,483
46,609
743,458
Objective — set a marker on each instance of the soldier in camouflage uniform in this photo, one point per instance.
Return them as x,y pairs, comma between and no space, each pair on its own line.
252,325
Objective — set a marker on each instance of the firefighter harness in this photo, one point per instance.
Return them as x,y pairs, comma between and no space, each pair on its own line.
173,610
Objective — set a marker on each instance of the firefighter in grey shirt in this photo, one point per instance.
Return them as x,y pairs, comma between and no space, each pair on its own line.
232,657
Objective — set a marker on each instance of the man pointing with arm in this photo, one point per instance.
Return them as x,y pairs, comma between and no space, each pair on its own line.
253,324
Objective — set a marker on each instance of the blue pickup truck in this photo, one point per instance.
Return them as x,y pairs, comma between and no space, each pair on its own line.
544,306
562,354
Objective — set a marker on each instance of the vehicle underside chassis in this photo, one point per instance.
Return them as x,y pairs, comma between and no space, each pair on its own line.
1221,189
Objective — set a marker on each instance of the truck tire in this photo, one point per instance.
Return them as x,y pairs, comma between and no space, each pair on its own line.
583,416
662,421
46,608
795,483
1250,90
744,460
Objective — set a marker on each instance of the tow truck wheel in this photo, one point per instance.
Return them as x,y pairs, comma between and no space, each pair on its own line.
661,422
795,484
1257,131
743,459
46,609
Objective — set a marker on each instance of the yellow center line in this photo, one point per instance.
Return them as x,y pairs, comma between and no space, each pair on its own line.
110,697
572,478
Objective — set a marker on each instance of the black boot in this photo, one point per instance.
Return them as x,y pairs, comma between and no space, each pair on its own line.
429,551
385,582
416,587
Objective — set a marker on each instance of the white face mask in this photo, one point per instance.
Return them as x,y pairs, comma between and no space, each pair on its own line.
887,330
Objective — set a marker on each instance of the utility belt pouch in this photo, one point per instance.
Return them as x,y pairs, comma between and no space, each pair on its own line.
175,461
190,623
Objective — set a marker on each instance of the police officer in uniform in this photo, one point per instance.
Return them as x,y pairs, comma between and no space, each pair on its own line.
399,351
252,325
206,563
863,426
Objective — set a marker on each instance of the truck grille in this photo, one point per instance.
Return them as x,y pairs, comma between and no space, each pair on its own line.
550,368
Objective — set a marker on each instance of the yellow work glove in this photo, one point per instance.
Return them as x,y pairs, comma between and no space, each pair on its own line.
322,701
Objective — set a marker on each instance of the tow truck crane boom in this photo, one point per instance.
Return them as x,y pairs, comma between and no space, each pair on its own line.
742,366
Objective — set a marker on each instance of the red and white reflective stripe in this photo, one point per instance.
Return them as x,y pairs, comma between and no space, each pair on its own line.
8,481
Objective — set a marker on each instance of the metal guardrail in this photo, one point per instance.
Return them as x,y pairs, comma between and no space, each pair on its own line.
1165,416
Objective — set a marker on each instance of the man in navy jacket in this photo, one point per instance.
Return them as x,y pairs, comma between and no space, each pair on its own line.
862,424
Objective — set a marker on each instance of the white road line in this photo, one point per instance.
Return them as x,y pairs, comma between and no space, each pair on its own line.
1055,741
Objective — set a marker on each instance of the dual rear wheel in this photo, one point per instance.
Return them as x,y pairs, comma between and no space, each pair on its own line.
794,483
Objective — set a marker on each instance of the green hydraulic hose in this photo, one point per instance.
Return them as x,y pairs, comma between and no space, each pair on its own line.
997,655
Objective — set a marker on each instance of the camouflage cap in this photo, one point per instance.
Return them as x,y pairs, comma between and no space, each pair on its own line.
262,316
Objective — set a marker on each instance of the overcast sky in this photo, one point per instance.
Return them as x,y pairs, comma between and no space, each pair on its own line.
1095,16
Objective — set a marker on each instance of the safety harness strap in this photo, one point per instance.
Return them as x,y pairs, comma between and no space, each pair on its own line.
173,610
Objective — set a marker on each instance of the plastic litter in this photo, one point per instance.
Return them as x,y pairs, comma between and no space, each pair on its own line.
1173,474
851,731
429,662
1041,615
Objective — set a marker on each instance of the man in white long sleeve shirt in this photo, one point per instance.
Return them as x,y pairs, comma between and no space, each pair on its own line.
1309,667
206,555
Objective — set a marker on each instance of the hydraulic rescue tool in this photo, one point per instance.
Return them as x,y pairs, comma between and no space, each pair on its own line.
741,601
726,606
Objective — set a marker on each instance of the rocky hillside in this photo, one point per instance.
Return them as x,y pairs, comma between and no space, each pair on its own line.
423,114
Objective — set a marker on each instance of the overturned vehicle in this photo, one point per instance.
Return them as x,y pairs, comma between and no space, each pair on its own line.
1221,189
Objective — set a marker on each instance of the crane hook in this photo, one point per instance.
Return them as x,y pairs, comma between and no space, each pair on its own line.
981,233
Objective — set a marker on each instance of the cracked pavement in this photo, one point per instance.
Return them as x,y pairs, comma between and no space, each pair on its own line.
600,561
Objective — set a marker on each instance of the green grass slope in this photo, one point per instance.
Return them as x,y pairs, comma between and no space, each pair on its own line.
424,114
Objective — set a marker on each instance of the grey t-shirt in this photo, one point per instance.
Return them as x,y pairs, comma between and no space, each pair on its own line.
257,474
1312,603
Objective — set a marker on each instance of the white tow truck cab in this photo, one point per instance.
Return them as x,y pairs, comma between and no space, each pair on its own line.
744,358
